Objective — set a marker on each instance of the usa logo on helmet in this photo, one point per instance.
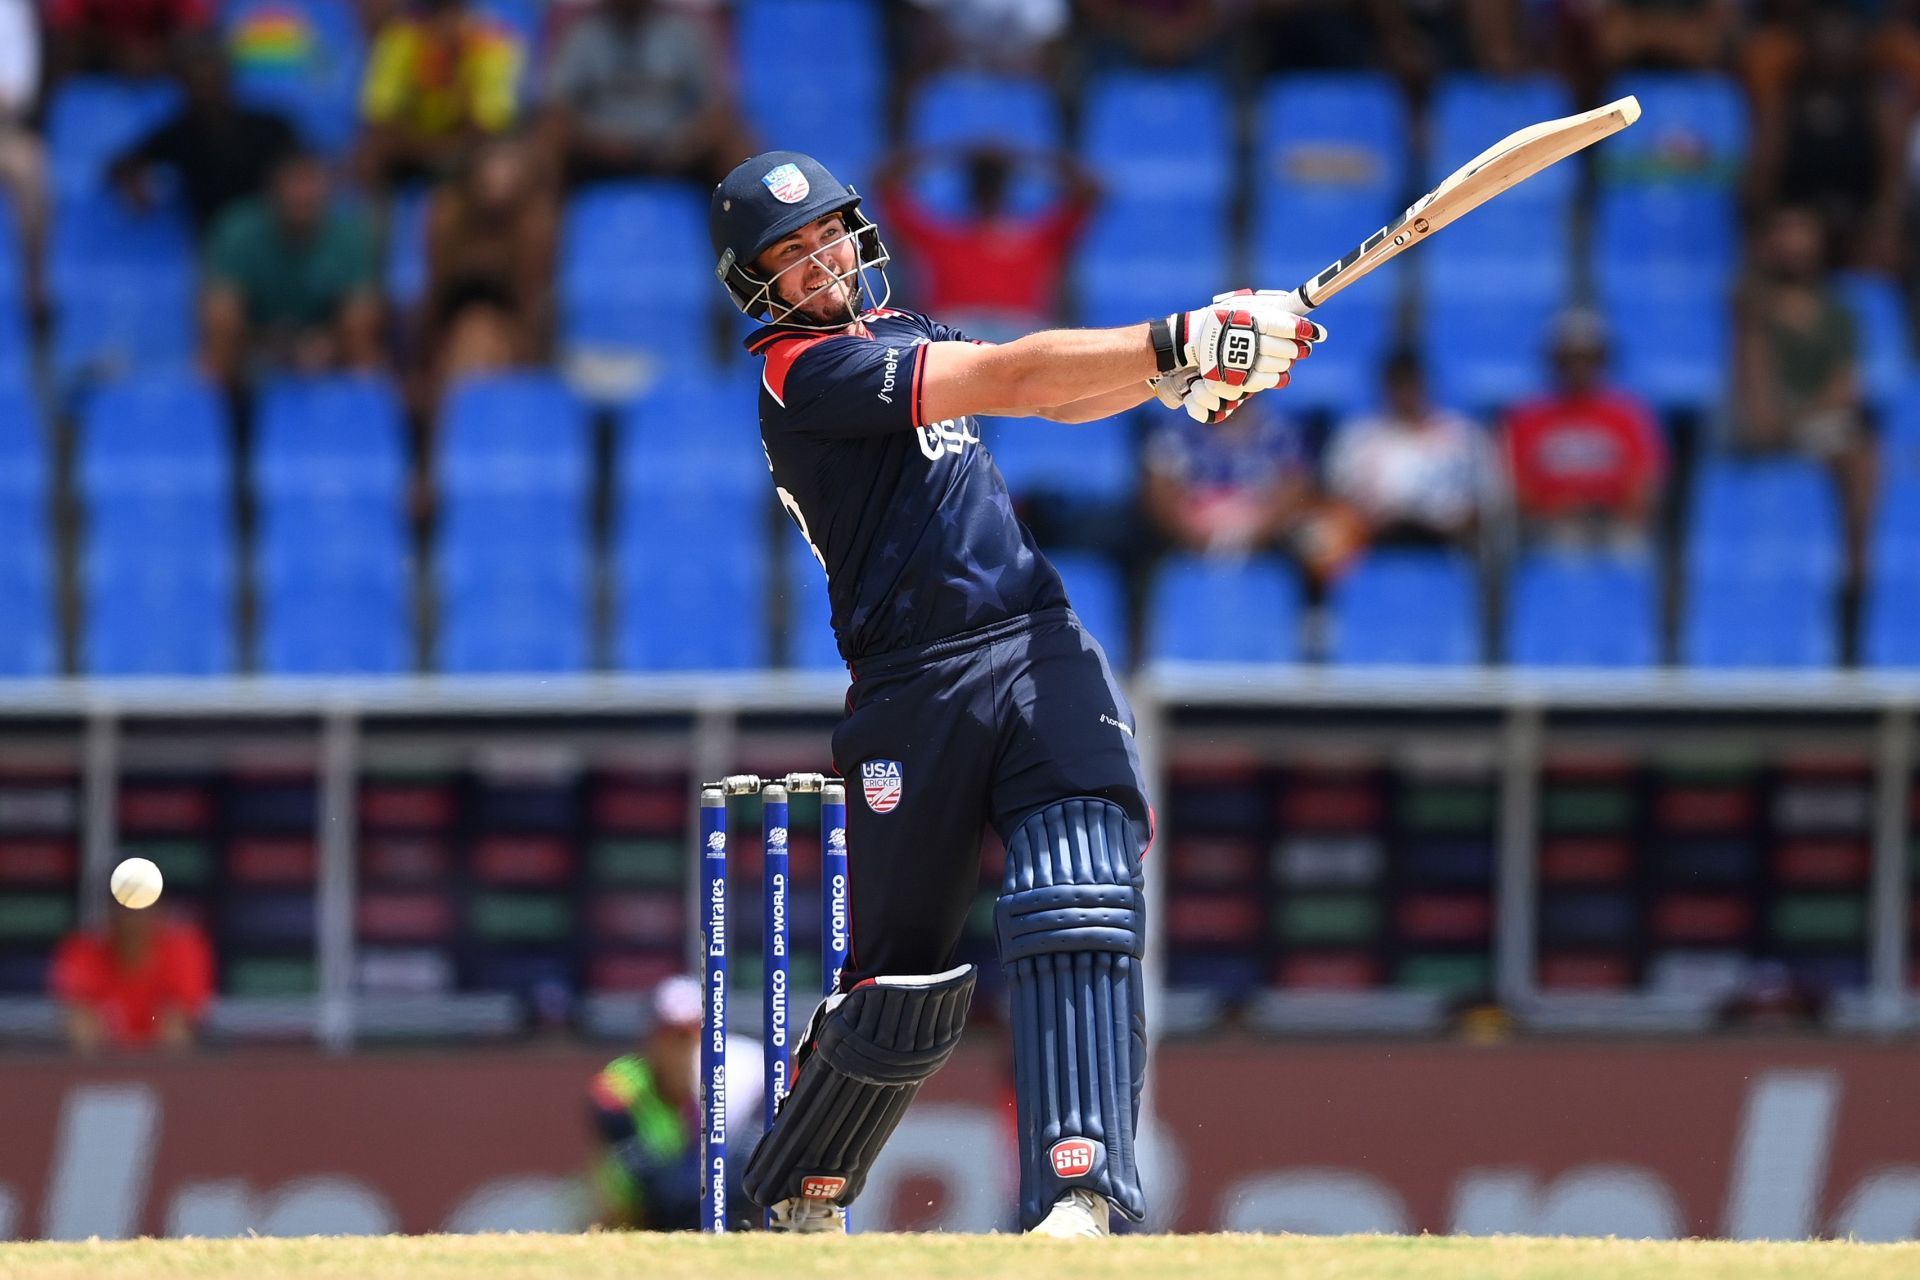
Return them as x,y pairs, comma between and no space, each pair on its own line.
788,184
880,781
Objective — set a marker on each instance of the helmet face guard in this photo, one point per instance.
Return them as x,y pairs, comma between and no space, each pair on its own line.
755,294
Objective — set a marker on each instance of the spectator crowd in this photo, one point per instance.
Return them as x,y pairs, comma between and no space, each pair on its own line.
411,222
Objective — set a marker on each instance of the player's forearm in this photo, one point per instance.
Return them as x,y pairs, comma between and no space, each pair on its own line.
1104,405
1033,374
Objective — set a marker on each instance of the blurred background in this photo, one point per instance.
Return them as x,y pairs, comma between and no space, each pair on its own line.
1529,688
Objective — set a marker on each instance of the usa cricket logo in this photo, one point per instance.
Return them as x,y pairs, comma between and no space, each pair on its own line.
788,184
880,782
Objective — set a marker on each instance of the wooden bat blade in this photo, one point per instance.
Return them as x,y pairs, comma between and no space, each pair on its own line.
1502,166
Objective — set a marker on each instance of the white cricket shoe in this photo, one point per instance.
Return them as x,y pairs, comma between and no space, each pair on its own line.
1079,1212
807,1216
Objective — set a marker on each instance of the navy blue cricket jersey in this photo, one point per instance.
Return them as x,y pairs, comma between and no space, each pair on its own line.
910,518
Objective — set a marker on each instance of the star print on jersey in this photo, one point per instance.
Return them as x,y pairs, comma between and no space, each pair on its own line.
912,519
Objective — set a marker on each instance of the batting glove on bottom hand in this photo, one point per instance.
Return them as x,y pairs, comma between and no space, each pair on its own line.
1204,401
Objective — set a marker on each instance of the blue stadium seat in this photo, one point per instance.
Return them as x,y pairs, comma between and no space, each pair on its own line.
1407,607
636,270
333,438
1681,345
691,589
1887,357
1759,622
1099,596
1662,243
302,58
838,119
29,639
159,611
1091,462
1506,362
334,595
92,119
1470,113
1592,610
15,347
1330,165
1206,610
123,286
956,107
1890,618
1692,133
515,435
690,564
1160,136
154,470
515,609
156,438
1146,258
1776,518
330,476
406,269
810,642
513,567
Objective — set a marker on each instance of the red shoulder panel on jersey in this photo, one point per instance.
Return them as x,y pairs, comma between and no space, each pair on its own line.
919,376
780,356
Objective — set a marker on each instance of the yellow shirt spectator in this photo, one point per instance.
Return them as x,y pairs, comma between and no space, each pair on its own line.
439,72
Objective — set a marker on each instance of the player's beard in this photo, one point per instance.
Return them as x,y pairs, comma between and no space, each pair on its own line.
832,305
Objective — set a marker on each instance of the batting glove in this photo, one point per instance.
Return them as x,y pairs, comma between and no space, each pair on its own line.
1204,401
1244,341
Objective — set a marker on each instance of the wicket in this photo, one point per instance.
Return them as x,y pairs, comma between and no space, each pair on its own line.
776,948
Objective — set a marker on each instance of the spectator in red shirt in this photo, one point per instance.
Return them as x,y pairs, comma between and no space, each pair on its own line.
1587,459
145,980
993,273
130,37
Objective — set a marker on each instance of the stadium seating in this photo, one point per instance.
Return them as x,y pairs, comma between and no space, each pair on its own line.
1769,518
331,551
1763,561
690,541
302,58
1890,613
1099,597
635,271
1089,462
513,569
1584,610
810,642
1330,165
29,639
1224,610
1157,137
158,573
1407,607
1886,345
957,107
1147,258
839,119
1758,622
91,120
123,287
15,349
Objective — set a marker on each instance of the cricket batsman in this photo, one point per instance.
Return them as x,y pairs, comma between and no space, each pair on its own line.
977,695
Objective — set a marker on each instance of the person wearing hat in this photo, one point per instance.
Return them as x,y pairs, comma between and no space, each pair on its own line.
645,1113
1587,458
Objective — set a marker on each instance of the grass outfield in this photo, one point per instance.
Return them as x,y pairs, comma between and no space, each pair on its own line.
907,1257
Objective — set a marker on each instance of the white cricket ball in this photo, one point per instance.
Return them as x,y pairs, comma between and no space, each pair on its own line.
136,883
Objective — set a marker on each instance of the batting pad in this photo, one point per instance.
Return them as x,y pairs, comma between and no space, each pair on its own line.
867,1053
1072,926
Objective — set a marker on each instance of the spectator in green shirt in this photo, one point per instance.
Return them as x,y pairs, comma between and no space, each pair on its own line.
292,280
645,1112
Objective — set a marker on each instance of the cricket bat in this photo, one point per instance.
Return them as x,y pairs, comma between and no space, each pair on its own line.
1505,164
